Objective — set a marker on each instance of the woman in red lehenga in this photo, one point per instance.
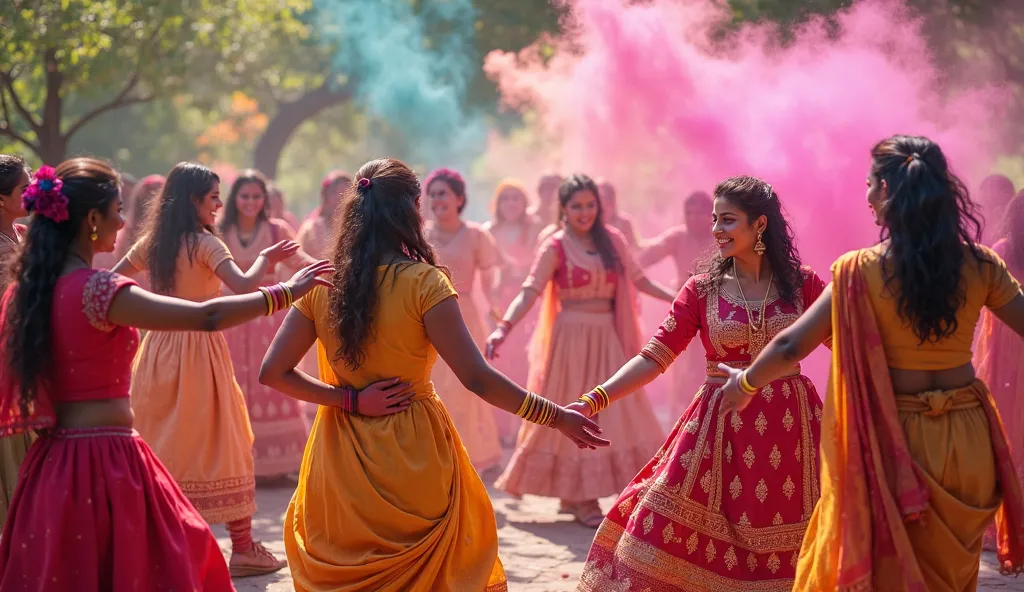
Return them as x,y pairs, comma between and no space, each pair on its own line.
724,504
278,422
94,509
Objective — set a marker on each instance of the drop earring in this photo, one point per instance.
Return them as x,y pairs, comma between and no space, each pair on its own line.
94,235
759,246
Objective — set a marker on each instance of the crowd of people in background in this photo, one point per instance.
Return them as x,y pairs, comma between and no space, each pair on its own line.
390,359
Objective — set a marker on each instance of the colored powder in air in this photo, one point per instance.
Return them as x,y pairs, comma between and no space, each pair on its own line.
409,67
646,95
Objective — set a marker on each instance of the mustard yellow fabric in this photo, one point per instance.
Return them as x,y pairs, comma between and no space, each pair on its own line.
390,503
987,285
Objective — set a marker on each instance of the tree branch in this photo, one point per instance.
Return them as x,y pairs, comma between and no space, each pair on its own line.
122,99
8,83
7,129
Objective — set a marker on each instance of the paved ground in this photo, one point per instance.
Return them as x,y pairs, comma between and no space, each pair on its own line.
542,551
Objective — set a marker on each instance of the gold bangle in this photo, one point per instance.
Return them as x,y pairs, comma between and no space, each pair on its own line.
603,394
288,299
745,385
268,299
588,398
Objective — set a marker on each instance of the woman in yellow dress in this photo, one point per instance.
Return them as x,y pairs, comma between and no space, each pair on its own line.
392,503
914,459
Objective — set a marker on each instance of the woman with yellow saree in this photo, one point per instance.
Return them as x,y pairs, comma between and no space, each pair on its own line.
914,459
392,503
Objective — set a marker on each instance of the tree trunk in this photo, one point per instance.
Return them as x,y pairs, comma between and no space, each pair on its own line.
288,118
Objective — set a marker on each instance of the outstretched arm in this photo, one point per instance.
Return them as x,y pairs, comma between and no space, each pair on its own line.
242,283
787,349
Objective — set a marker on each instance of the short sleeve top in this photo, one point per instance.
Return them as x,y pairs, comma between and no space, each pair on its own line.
196,278
399,345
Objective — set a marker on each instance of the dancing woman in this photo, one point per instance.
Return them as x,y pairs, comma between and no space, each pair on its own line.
914,460
468,251
724,504
587,323
314,236
143,194
94,509
14,179
392,503
278,422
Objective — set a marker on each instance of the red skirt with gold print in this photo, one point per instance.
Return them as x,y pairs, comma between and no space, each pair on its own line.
723,505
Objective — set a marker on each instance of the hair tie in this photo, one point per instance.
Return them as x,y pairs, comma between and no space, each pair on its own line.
912,158
45,196
365,183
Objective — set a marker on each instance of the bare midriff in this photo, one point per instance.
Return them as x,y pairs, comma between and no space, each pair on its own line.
909,382
96,414
588,305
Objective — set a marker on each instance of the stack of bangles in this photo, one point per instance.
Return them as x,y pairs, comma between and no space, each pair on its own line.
278,297
745,385
597,399
536,409
349,402
505,326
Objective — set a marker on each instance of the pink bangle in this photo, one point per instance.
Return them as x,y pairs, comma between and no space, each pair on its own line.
505,326
349,400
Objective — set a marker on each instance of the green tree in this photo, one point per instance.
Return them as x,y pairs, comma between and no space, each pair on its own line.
69,62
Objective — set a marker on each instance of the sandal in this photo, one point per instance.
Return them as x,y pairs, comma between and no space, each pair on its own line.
258,562
589,514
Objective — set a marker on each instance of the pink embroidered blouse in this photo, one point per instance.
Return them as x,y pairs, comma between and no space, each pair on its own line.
718,315
577,274
92,358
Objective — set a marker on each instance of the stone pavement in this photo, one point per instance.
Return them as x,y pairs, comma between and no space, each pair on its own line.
542,551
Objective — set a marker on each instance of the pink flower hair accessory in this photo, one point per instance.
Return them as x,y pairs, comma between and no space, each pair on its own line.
365,183
44,196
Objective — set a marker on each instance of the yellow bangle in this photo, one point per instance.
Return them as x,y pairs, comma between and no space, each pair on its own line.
745,385
288,299
269,300
606,400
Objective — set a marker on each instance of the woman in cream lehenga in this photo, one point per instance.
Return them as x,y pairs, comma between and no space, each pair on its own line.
392,504
468,252
914,459
585,276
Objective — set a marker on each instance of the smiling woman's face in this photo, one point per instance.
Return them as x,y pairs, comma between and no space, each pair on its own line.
732,229
581,211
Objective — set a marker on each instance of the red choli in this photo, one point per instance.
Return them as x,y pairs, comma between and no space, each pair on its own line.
717,314
92,358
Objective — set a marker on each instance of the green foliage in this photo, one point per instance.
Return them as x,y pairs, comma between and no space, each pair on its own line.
70,61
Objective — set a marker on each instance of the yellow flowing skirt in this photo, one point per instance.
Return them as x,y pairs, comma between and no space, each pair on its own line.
391,504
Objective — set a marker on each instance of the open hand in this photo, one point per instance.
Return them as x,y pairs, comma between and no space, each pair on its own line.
733,397
582,431
309,276
494,341
281,251
384,398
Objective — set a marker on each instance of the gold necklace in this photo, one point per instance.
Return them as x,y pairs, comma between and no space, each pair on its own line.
752,326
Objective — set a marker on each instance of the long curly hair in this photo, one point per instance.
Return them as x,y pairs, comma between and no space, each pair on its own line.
172,221
89,184
757,198
373,221
598,232
229,218
928,219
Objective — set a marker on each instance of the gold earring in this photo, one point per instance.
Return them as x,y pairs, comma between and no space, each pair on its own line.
94,235
759,246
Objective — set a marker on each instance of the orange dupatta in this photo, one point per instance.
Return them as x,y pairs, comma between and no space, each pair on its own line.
856,540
